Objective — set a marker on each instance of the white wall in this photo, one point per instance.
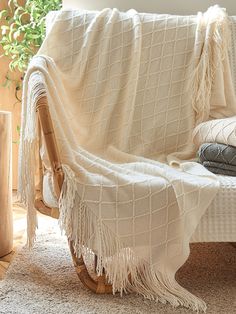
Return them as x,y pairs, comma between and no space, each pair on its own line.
180,7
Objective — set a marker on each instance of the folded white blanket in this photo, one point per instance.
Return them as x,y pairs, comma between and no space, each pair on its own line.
221,131
126,90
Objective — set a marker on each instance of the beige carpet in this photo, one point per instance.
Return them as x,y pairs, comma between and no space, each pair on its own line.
44,281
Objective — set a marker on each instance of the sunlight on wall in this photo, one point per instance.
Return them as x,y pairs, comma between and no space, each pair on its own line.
8,102
167,6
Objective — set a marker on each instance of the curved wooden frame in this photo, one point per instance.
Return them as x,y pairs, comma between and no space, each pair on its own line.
98,285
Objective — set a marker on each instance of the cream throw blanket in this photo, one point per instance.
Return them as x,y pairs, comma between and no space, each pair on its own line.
216,131
125,92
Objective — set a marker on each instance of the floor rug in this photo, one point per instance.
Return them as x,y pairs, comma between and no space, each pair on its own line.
43,280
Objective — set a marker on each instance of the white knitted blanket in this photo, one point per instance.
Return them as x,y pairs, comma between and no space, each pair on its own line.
216,131
125,91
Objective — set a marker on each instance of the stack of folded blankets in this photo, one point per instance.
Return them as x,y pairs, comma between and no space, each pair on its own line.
217,142
218,158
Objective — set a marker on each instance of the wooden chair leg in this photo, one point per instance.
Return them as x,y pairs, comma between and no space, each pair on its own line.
98,286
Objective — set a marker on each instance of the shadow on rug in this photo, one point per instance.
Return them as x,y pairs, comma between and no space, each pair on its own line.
44,281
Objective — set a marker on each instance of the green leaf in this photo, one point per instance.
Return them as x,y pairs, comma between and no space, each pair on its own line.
3,13
7,47
23,31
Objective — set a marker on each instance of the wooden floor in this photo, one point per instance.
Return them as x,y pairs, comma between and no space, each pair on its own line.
19,215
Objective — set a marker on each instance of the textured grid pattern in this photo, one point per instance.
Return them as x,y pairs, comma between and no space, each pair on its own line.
156,116
151,59
216,131
218,158
219,221
119,91
218,153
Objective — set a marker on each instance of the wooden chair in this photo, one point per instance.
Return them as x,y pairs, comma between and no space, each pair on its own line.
98,285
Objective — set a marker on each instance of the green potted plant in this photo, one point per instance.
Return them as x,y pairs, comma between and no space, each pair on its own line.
23,31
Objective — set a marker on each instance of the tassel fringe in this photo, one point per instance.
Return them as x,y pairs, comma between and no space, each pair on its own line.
27,150
214,52
124,270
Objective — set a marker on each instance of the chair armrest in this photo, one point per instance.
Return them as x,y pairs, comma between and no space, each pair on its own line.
50,143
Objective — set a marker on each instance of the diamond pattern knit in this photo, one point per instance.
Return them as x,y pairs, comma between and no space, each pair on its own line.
125,92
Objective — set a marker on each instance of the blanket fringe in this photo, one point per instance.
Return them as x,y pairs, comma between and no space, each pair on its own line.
214,52
29,140
125,271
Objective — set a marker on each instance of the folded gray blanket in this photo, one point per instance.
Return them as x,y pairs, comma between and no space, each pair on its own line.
219,153
220,168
